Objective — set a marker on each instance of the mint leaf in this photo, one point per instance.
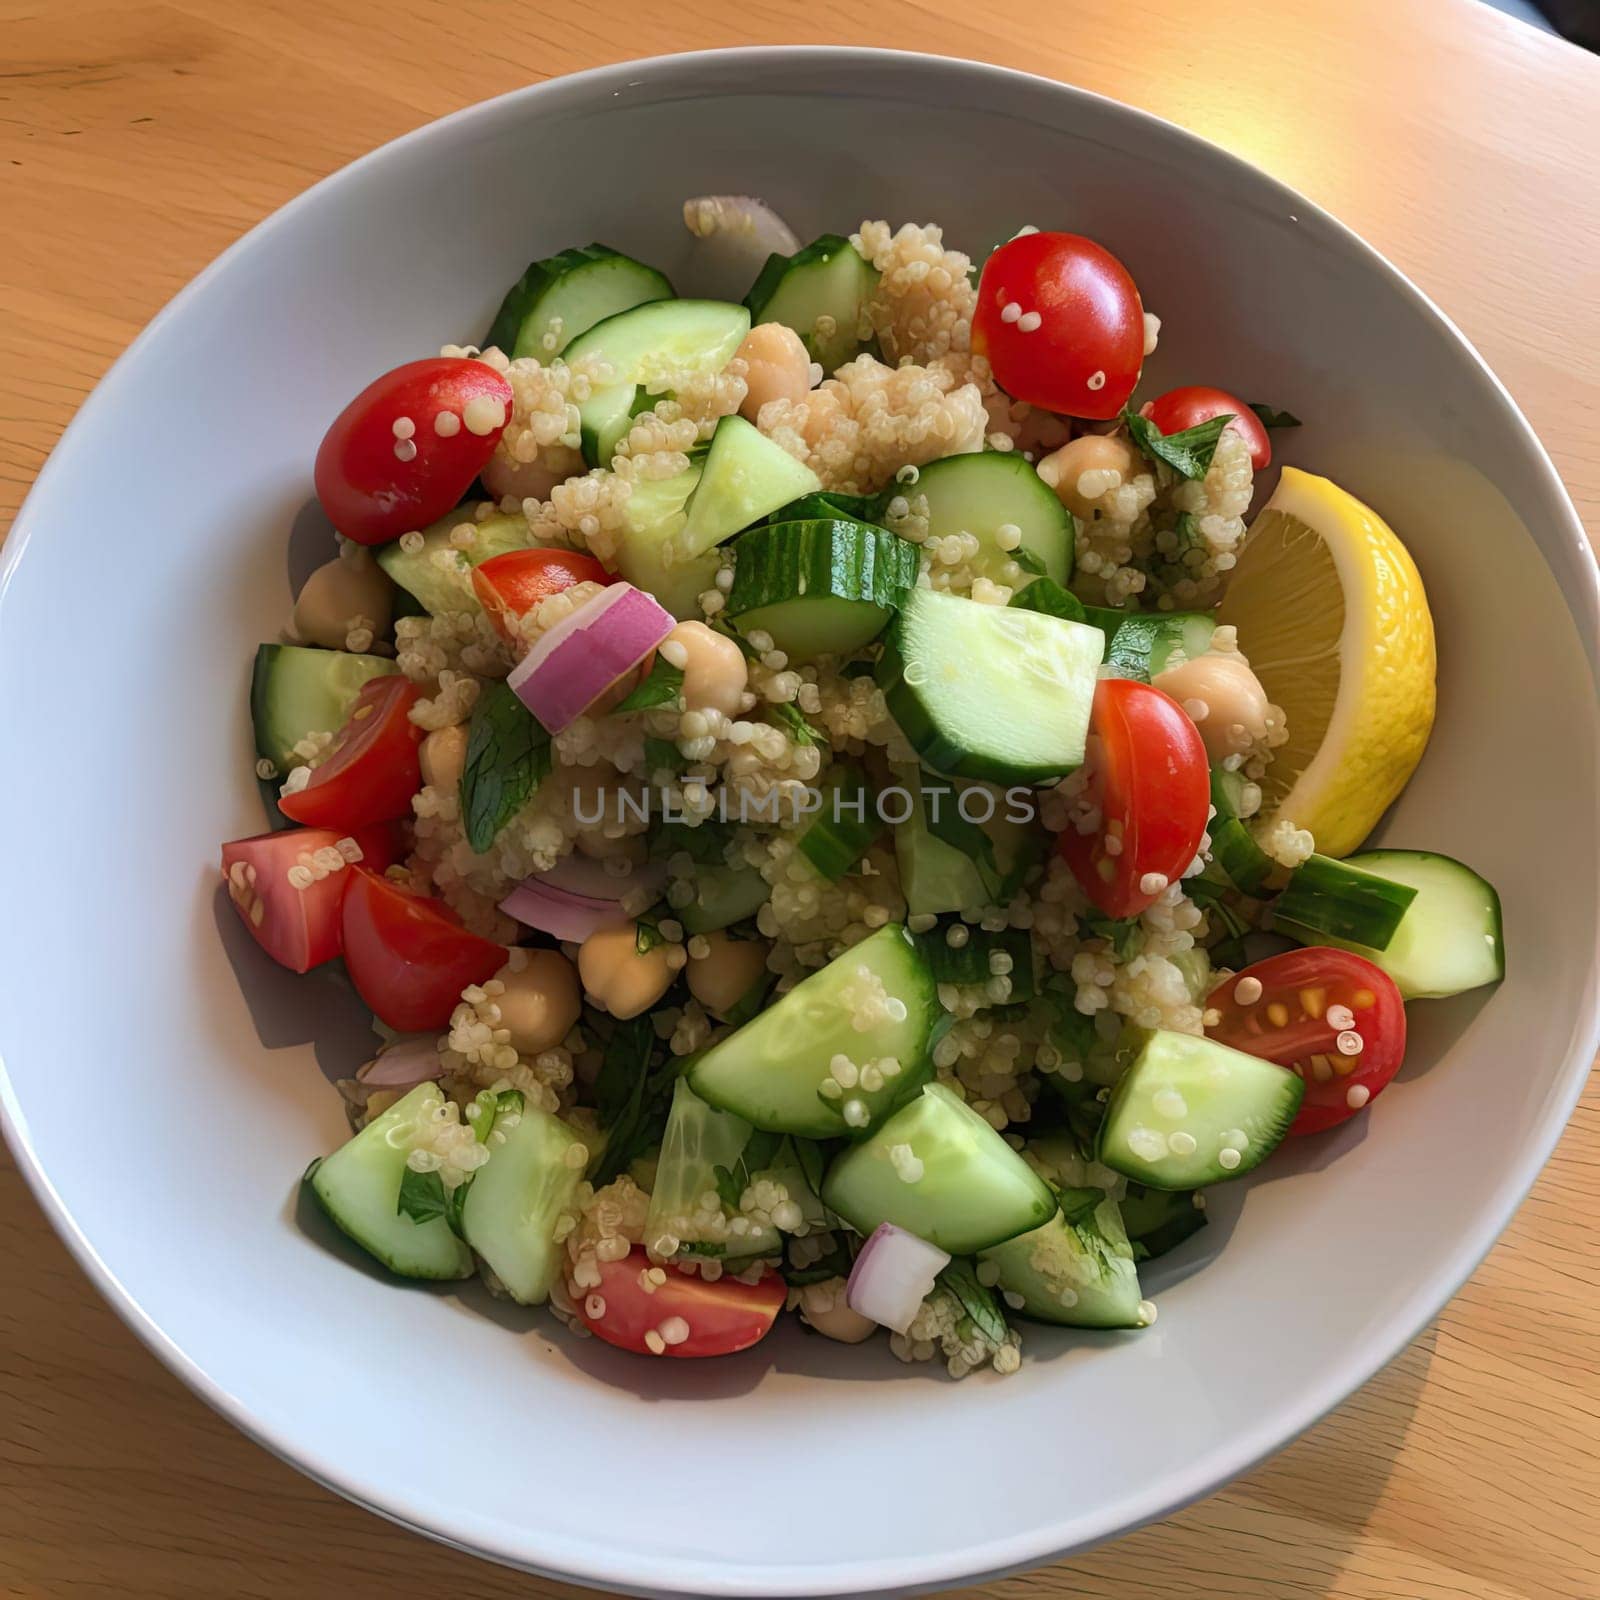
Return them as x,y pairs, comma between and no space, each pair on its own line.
508,755
729,1192
787,716
660,688
978,1303
1270,418
706,842
423,1197
1188,453
1027,560
662,755
1123,933
631,1095
1047,596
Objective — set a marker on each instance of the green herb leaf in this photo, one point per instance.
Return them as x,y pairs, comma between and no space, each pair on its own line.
1124,933
630,1098
508,755
660,688
728,1191
662,755
647,936
705,843
788,717
1269,418
1188,453
759,1152
423,1197
835,1264
1047,596
1186,530
978,1304
1027,560
1079,1205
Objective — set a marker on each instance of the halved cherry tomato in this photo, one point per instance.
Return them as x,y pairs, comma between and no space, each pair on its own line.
714,1319
512,584
1150,780
299,928
1333,1017
408,956
1061,323
406,449
1178,409
372,770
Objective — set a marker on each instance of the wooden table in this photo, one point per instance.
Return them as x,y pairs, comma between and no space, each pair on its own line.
137,140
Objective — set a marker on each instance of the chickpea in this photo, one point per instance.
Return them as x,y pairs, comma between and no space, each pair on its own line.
714,673
444,757
1087,468
1225,699
541,1000
523,480
336,594
780,368
824,1307
727,972
621,979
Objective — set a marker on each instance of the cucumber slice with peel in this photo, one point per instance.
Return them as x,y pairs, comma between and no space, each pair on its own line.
1449,938
652,518
437,574
938,1170
822,587
1338,900
821,292
744,477
565,295
647,349
1189,1111
359,1187
989,691
985,491
515,1202
874,1005
1078,1271
296,690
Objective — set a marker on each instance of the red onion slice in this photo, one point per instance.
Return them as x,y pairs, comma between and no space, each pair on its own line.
583,655
404,1064
734,234
537,903
579,874
893,1275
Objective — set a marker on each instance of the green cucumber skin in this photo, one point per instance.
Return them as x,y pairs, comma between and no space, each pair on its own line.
524,314
1092,1258
782,562
1339,900
786,281
1233,846
294,687
745,477
1420,965
999,488
834,843
975,1191
732,1073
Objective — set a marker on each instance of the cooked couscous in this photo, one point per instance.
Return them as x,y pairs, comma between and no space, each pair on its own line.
797,781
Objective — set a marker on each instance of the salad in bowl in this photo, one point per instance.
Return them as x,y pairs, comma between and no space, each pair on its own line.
834,800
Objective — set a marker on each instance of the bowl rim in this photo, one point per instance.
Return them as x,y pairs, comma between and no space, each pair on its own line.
552,1554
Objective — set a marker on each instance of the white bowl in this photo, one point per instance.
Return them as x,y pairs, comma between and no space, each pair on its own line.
161,1080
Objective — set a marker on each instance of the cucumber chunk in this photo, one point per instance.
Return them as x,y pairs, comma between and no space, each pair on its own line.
707,1152
647,348
973,1190
359,1187
442,586
954,874
564,295
1450,937
819,587
972,961
1215,1099
990,691
723,895
772,1071
1338,900
841,832
1079,1273
1160,1220
745,476
983,492
296,690
652,519
1142,645
1233,847
827,279
509,1216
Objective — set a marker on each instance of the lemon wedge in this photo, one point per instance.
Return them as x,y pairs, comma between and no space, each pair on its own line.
1331,613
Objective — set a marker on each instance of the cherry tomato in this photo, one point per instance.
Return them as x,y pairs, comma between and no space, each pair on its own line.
1178,409
372,771
408,956
1150,780
1061,323
1297,1008
299,928
714,1319
377,483
512,584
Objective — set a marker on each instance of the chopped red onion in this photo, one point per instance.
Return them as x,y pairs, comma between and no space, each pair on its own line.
575,662
538,903
893,1275
404,1064
734,233
579,874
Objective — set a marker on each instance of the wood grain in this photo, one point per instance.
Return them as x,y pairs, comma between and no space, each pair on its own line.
137,140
